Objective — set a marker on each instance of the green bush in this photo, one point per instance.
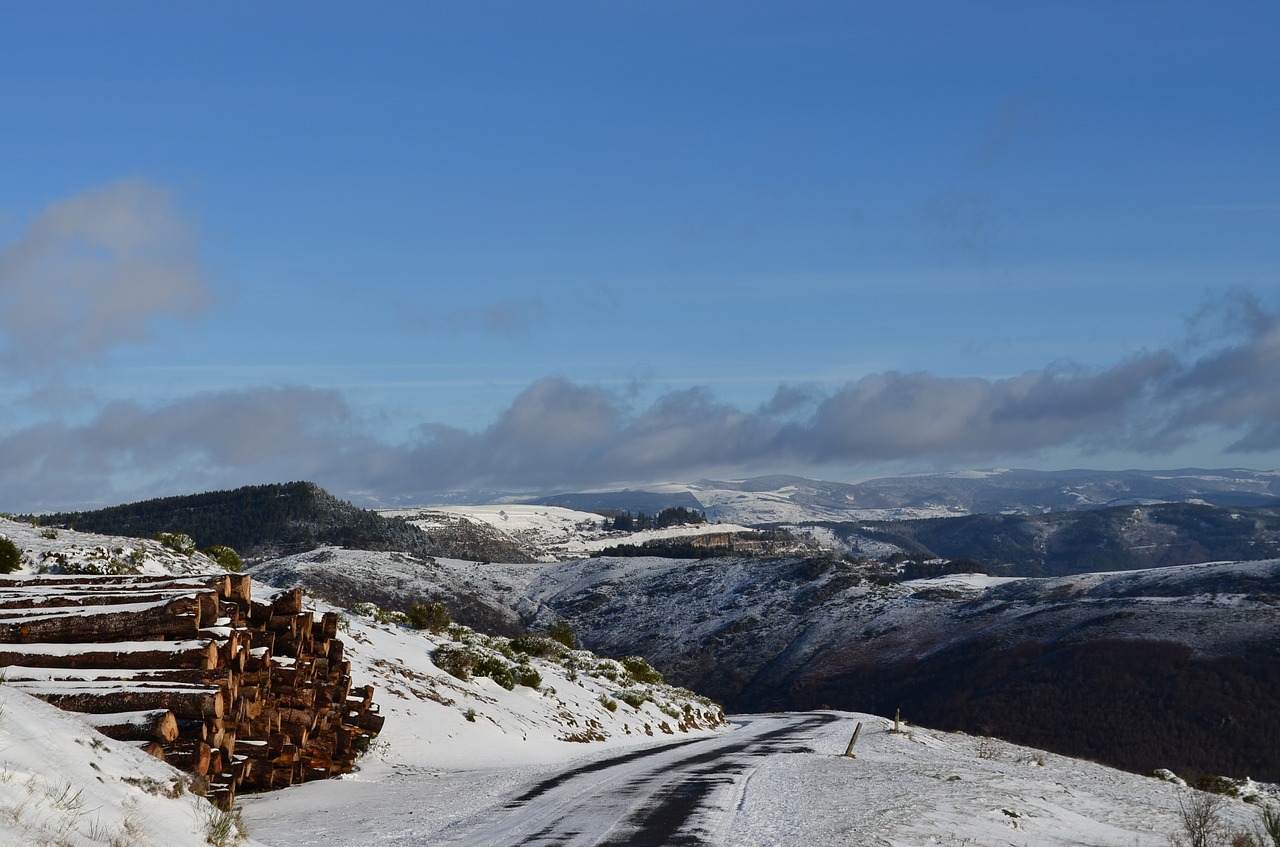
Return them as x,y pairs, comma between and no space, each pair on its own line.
228,558
457,661
609,703
429,616
633,697
178,542
10,556
561,631
497,670
640,670
526,675
538,646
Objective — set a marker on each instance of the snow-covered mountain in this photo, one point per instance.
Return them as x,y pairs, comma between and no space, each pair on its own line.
794,499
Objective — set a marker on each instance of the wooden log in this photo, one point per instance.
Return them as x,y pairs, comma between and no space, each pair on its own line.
238,588
373,721
253,749
190,756
297,731
127,654
260,611
110,581
152,748
287,602
175,618
286,625
125,676
17,600
154,725
100,698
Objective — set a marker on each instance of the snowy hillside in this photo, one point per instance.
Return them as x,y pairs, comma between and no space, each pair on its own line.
551,533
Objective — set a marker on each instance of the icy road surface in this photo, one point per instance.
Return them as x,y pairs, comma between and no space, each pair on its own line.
675,794
774,781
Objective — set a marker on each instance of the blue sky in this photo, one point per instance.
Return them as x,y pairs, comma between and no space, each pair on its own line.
404,248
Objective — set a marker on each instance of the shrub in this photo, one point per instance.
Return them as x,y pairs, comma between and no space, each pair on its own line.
225,556
457,661
10,556
178,542
528,676
223,827
1200,814
561,631
364,609
640,670
538,646
497,670
1215,784
1270,825
429,616
609,703
391,616
633,697
606,669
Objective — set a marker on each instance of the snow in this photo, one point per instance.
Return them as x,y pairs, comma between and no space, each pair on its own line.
973,581
453,754
554,533
909,789
62,783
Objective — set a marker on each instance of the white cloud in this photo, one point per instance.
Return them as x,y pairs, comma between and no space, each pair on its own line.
93,272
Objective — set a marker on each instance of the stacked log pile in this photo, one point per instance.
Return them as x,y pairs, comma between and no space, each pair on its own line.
242,693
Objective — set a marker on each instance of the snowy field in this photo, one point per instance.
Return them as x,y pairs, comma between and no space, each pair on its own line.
555,533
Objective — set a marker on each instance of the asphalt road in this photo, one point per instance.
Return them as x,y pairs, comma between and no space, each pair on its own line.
666,796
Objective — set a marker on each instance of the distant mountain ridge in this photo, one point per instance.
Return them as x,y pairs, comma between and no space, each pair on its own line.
783,498
995,491
1083,541
268,521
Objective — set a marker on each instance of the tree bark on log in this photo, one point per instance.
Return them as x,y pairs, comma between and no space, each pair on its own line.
201,654
184,703
176,618
154,725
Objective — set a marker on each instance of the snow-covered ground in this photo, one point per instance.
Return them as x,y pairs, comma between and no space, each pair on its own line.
909,789
62,783
454,753
551,533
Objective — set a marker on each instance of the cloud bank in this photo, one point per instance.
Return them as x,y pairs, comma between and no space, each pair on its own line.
93,272
559,434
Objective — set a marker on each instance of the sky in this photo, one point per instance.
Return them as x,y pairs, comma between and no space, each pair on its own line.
402,249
